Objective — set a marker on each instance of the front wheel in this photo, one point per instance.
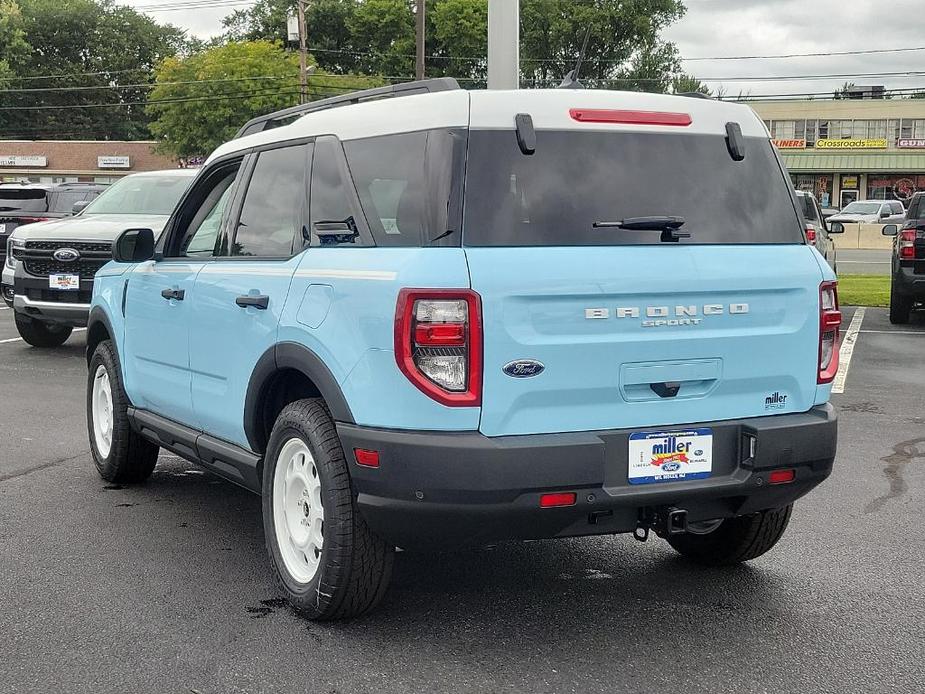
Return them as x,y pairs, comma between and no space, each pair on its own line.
328,562
120,454
40,334
733,540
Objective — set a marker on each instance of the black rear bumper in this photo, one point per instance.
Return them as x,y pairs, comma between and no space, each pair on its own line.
909,278
446,489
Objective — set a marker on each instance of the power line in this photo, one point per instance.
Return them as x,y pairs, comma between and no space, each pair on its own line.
808,55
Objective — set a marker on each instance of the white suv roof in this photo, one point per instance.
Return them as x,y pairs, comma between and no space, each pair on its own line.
458,108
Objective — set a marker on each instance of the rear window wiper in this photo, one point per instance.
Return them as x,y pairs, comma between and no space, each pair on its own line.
667,225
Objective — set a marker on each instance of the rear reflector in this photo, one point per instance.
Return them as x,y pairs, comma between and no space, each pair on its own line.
558,499
782,476
366,458
598,115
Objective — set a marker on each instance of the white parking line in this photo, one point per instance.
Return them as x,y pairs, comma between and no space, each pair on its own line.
846,350
19,339
896,332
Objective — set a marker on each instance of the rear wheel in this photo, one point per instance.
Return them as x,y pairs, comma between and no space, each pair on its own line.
40,334
120,454
733,540
900,307
327,561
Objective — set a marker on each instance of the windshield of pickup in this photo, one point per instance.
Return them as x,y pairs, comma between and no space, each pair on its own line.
141,195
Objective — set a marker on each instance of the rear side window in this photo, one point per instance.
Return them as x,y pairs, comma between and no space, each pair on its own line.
914,207
273,209
63,201
410,186
897,208
574,179
336,217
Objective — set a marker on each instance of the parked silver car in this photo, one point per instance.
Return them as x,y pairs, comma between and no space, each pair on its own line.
871,212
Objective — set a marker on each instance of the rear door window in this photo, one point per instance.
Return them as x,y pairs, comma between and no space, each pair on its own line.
336,216
273,210
574,179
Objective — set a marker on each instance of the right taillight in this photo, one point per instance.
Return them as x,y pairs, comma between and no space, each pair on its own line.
829,323
438,343
907,244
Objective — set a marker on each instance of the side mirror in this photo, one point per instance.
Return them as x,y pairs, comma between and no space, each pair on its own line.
79,206
836,228
890,230
884,214
134,246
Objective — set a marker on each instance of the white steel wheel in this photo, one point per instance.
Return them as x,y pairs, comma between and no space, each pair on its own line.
298,513
102,411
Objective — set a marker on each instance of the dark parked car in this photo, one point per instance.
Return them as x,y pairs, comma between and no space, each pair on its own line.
907,289
25,203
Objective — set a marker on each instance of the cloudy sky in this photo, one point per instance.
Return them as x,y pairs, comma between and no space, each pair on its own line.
714,28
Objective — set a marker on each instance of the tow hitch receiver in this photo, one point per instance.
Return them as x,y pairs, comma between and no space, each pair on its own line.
664,521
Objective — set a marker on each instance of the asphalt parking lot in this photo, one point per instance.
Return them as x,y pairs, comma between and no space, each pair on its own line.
166,587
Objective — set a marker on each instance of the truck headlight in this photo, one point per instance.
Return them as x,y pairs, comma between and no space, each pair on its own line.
11,248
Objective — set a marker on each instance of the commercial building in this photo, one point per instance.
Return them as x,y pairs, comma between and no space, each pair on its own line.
65,161
850,149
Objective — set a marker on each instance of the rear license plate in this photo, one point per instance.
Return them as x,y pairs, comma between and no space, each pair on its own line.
65,282
668,456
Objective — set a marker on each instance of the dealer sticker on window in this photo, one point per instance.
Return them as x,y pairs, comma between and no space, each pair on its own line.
66,282
667,456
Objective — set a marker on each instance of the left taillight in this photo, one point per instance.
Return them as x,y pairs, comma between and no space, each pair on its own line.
811,234
438,343
829,324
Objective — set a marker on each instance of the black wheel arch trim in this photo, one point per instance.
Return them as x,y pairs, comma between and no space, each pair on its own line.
291,355
98,317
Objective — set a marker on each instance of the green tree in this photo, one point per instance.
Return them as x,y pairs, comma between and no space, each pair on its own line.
687,84
625,48
13,46
460,35
201,100
70,39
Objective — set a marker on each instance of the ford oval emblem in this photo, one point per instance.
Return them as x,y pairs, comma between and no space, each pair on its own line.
524,368
66,255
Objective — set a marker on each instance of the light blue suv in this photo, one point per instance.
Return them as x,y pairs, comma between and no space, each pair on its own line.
422,317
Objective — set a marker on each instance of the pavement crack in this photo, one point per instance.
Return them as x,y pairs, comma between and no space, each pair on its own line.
903,453
42,466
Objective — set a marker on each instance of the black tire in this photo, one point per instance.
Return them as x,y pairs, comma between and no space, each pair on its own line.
735,540
355,566
130,458
40,334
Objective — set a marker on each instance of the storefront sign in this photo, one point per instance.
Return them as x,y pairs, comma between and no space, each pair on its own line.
790,144
23,160
113,162
910,144
849,182
852,144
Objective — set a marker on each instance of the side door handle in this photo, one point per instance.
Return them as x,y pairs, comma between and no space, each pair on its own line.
176,294
261,301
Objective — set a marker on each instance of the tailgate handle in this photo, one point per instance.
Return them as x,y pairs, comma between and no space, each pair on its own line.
668,389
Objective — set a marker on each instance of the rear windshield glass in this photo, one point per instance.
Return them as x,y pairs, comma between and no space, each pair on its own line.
574,179
16,201
141,195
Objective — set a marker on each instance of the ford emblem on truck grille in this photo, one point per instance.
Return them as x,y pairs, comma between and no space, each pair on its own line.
66,255
523,368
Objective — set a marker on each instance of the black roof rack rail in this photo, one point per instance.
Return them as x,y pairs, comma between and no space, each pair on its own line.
272,120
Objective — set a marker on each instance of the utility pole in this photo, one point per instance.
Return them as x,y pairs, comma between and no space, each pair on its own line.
503,44
303,69
419,38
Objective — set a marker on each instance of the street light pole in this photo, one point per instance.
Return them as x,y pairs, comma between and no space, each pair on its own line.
419,39
303,71
503,44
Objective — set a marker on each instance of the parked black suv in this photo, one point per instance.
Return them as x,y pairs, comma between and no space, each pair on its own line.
907,288
25,203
